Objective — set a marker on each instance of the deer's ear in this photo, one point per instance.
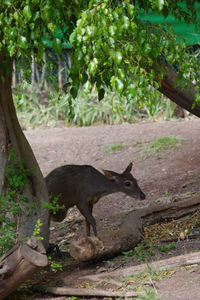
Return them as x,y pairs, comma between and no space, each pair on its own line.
128,168
110,175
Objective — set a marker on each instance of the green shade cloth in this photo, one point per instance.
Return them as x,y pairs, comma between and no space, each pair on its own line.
189,32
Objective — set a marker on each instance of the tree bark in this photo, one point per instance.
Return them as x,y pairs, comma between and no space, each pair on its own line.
35,190
168,212
3,148
19,264
184,98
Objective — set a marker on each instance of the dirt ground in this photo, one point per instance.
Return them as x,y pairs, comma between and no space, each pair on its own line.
160,175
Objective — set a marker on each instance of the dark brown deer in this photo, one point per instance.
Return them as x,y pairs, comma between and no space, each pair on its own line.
83,186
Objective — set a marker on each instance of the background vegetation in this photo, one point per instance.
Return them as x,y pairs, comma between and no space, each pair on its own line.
36,107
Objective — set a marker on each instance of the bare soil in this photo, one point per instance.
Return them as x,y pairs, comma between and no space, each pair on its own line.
161,176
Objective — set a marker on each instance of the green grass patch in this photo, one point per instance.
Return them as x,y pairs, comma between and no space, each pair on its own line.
149,294
167,247
142,252
164,143
194,250
114,147
138,282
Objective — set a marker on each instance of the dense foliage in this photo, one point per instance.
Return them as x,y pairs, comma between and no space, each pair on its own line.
112,47
124,53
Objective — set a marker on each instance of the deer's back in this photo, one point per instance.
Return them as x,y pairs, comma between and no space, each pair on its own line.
70,182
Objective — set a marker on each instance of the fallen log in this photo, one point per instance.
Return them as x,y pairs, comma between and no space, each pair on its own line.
67,291
20,263
158,213
164,264
130,229
116,278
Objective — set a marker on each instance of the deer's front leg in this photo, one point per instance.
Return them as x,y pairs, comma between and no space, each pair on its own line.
86,210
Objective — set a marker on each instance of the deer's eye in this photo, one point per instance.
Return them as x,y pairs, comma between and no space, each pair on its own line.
127,183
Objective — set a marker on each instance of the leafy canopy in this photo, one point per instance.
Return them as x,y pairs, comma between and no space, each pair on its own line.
112,46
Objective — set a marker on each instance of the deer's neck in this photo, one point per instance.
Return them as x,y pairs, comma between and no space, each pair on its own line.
106,188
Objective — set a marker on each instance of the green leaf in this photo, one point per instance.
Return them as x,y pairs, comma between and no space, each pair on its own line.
126,22
27,12
130,9
92,67
119,85
118,57
90,30
161,4
121,74
147,48
16,15
11,49
112,81
73,37
87,87
112,30
132,90
22,42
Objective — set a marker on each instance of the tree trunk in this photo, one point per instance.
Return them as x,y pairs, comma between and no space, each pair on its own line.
11,134
184,98
20,263
3,148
